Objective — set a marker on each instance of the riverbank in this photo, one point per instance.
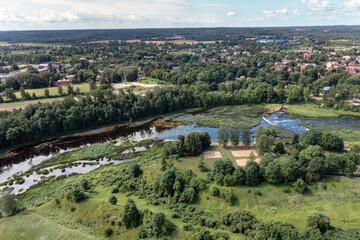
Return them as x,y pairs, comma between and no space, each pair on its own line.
315,110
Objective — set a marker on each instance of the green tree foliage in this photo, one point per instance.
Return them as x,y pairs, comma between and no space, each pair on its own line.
310,153
24,95
240,221
188,196
60,90
155,225
264,144
291,168
92,85
239,176
332,142
9,94
135,170
192,143
252,172
349,163
70,89
205,140
76,195
273,173
205,235
234,135
319,221
311,137
112,200
46,93
294,95
316,169
300,186
333,163
8,204
129,74
223,135
295,138
279,148
201,164
355,149
215,191
108,232
131,216
228,195
245,137
311,233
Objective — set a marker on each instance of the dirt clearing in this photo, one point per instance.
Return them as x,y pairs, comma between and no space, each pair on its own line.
211,154
242,162
244,153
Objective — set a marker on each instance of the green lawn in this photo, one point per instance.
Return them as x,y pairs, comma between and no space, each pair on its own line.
84,87
22,104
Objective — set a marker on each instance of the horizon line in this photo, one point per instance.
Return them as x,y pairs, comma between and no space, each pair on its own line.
159,28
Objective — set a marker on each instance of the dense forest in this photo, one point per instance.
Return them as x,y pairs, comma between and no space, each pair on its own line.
200,34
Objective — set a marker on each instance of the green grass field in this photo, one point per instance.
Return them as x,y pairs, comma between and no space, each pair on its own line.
84,87
22,104
45,219
315,111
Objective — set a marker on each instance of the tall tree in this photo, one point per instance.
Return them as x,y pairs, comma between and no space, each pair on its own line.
223,135
131,216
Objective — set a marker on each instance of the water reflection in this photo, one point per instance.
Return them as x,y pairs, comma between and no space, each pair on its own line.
79,167
29,156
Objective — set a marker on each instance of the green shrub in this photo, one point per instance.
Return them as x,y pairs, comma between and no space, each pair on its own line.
319,221
112,200
215,192
229,196
300,186
108,232
76,195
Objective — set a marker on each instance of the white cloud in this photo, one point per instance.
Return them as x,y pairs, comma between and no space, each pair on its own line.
195,20
281,14
230,14
318,6
353,4
258,19
43,16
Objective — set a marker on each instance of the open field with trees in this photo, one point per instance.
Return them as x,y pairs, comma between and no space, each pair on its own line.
174,187
239,180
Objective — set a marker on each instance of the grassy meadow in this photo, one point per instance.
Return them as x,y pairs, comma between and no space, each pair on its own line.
48,218
240,116
84,87
315,111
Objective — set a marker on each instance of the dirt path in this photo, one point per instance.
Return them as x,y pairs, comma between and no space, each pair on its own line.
126,85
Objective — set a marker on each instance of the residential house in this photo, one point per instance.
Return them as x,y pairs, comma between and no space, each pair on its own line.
66,80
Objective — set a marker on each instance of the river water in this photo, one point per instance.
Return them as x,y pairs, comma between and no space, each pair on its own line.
24,163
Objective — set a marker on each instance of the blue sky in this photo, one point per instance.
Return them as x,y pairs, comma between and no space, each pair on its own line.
84,14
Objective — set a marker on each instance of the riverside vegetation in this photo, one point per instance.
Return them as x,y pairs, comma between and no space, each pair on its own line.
164,193
301,187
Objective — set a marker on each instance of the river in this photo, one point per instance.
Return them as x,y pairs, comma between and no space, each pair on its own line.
30,156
